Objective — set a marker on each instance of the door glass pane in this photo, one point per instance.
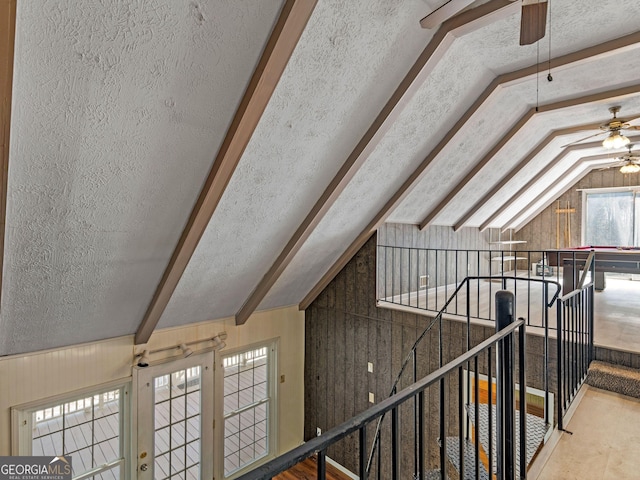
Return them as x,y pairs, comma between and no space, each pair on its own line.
177,424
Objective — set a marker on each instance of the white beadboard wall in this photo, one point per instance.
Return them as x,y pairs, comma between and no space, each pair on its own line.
39,375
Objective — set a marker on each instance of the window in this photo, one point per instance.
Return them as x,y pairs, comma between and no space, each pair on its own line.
610,217
89,428
248,406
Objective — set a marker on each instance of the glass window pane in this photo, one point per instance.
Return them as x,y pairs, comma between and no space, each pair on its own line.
87,428
193,379
162,441
162,385
193,403
106,427
177,434
193,453
193,473
162,414
193,428
49,445
106,452
177,460
162,466
609,219
82,461
77,438
178,409
246,403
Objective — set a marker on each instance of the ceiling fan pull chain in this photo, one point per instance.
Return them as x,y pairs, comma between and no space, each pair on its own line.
549,77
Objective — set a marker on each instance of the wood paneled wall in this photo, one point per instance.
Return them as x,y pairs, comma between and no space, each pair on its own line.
435,236
540,232
344,330
399,270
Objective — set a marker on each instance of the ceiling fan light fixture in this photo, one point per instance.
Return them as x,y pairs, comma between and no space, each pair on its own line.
615,140
630,167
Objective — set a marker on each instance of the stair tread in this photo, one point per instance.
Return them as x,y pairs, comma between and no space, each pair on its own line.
453,453
536,431
432,475
614,378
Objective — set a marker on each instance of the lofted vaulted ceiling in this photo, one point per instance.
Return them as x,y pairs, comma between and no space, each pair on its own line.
175,162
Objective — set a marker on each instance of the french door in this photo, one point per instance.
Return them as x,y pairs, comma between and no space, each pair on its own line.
175,419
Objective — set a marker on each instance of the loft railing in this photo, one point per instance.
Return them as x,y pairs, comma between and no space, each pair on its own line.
575,339
437,320
498,348
574,336
424,278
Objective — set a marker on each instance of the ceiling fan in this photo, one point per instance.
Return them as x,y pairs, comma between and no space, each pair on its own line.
613,127
628,163
533,20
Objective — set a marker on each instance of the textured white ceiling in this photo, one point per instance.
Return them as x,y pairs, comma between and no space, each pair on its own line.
350,57
119,108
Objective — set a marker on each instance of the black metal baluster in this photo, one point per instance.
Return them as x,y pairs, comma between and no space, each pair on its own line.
322,466
506,404
395,448
443,439
522,352
421,466
559,321
490,405
476,404
461,442
362,435
415,414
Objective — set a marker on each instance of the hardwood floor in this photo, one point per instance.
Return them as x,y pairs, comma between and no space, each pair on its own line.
307,471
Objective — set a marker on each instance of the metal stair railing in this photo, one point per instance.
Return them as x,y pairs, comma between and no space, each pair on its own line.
502,341
438,320
575,338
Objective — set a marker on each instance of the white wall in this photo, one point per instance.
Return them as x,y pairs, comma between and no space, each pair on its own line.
39,375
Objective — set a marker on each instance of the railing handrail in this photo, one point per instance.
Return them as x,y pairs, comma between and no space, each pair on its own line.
575,292
586,268
320,443
437,318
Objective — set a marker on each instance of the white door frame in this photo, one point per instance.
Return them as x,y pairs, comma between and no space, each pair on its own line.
144,407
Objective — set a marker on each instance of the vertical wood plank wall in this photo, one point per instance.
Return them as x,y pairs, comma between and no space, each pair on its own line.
432,237
540,232
344,330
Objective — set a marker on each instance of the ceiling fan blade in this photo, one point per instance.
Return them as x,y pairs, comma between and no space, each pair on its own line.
631,127
533,22
613,164
583,139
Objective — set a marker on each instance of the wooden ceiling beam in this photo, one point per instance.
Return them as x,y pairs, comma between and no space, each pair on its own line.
521,191
277,52
572,59
605,49
7,53
428,59
517,223
594,97
520,165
